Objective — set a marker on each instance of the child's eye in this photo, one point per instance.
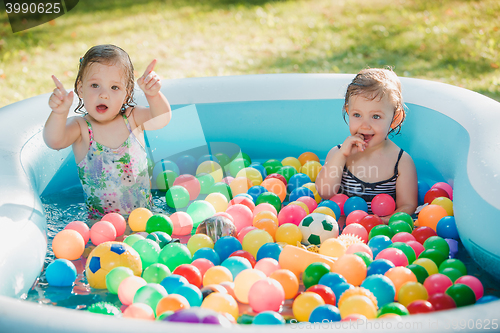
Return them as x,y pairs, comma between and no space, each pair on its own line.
376,116
94,85
356,115
115,88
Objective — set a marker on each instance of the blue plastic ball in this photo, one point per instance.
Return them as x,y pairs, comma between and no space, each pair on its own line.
487,299
339,289
355,203
191,293
269,250
300,192
423,187
379,266
169,165
259,167
246,195
296,181
236,265
226,245
268,318
61,273
207,253
331,279
187,165
379,243
447,228
255,191
332,205
172,282
382,288
324,313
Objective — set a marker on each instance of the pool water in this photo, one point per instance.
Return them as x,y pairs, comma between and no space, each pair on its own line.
68,206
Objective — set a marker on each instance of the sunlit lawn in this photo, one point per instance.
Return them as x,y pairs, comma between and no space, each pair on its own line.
456,42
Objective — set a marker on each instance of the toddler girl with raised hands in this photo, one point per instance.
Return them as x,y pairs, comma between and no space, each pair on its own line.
108,140
368,162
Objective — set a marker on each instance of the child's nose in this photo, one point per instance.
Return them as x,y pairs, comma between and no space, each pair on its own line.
104,94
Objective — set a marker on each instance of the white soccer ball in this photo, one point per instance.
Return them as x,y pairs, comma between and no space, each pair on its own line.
316,228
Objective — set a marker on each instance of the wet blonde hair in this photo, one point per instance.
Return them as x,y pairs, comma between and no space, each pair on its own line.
373,83
107,54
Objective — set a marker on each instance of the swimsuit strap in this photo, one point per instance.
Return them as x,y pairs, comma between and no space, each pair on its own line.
91,133
127,123
397,162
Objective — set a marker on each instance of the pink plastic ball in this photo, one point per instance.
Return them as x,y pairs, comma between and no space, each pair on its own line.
243,232
310,202
474,283
356,229
203,265
118,221
128,287
264,207
416,246
242,216
266,295
101,232
355,217
403,237
190,183
340,199
267,265
139,311
225,215
182,223
396,256
445,186
242,201
437,283
359,247
383,205
82,228
291,214
227,180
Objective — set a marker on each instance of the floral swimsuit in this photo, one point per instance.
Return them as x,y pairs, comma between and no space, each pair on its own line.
115,180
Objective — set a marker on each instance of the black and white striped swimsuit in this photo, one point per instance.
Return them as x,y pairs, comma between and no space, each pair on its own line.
351,186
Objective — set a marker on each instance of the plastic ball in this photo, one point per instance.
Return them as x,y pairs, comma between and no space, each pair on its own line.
394,255
325,292
361,248
370,221
226,245
222,303
200,210
171,303
165,179
312,169
182,223
244,232
132,239
266,295
236,265
355,216
325,313
356,229
252,174
423,187
159,222
454,263
275,186
288,281
419,271
410,292
174,254
82,228
430,215
206,182
68,244
148,250
288,233
354,203
358,304
379,266
101,232
437,284
379,243
190,183
207,253
291,214
407,250
399,226
379,230
383,205
191,293
314,190
254,240
308,156
212,168
447,228
272,166
242,216
223,189
435,193
177,197
452,273
420,306
309,201
155,273
138,218
150,294
172,282
429,265
416,246
441,301
352,267
284,173
446,203
139,311
296,181
399,276
203,265
240,185
128,288
268,318
292,161
438,243
244,254
300,192
104,308
217,275
270,198
191,273
244,281
255,191
199,241
381,287
462,294
304,304
61,273
243,199
435,255
313,273
325,210
395,308
218,201
402,237
422,233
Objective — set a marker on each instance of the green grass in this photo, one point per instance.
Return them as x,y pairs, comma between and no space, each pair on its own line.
451,41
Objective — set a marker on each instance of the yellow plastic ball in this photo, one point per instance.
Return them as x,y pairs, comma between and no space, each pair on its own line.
325,210
222,303
293,162
244,281
254,239
357,291
308,156
412,291
217,275
304,304
301,204
333,247
212,168
253,174
265,214
358,304
199,241
288,233
444,202
311,168
138,218
313,189
240,185
429,265
218,200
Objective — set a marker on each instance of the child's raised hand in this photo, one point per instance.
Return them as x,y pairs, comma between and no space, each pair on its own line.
352,145
150,82
60,100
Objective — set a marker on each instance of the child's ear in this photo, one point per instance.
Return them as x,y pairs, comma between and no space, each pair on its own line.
398,119
347,109
79,87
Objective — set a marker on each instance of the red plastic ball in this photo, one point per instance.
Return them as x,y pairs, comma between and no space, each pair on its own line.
420,306
434,193
422,233
277,176
370,221
190,183
383,204
441,301
355,217
246,255
242,201
191,273
325,292
340,199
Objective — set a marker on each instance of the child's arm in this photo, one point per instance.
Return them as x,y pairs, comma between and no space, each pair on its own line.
330,176
60,132
159,108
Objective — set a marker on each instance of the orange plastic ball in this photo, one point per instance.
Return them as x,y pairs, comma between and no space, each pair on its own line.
139,311
358,291
265,214
351,267
288,281
430,215
138,218
68,244
275,186
244,281
173,303
400,275
222,303
308,156
240,185
217,275
267,225
333,247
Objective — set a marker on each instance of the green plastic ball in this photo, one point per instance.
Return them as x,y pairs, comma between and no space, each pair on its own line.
407,250
174,255
160,237
270,198
131,239
313,273
287,171
461,294
155,273
165,179
159,222
150,294
242,155
115,277
365,256
381,229
223,159
104,308
395,308
400,226
452,273
435,255
223,189
402,216
438,243
148,250
272,166
453,263
206,182
236,165
200,210
419,271
177,197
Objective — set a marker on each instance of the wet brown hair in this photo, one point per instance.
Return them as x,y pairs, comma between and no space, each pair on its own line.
107,54
374,83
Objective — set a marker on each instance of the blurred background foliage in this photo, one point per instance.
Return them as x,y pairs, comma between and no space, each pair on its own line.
451,41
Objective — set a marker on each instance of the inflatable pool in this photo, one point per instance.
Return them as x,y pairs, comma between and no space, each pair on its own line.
450,132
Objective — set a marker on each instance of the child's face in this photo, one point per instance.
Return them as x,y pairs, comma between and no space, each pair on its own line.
103,91
370,118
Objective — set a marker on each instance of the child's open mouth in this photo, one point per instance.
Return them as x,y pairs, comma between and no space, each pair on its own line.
101,108
367,137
